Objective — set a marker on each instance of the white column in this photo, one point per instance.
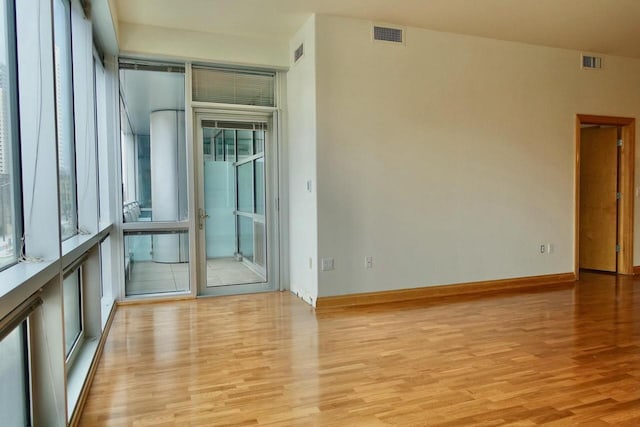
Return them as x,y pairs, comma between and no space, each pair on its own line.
168,181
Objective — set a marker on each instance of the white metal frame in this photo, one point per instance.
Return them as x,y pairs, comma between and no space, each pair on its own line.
184,226
240,114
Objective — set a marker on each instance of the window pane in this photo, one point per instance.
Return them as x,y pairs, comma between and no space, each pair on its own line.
8,147
14,397
156,263
219,144
245,187
154,150
245,237
245,144
144,171
64,118
259,171
72,310
230,147
233,87
207,142
259,141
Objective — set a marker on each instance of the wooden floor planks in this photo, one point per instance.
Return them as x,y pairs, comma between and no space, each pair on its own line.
560,357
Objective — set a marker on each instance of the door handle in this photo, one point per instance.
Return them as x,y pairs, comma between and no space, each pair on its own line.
202,215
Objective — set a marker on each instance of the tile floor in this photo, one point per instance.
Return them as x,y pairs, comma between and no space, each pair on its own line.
149,277
228,271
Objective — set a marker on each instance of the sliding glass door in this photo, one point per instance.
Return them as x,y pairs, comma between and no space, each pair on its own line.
235,217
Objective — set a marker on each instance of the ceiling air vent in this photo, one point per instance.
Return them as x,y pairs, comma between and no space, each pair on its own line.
388,34
591,62
297,54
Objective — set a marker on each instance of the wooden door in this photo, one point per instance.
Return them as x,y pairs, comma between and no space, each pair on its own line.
598,202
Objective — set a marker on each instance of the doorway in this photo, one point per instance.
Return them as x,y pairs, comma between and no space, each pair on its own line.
605,148
236,213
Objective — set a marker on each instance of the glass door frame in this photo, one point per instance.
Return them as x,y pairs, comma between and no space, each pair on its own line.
254,216
271,214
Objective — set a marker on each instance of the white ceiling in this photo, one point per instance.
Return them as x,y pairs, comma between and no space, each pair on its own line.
604,26
147,91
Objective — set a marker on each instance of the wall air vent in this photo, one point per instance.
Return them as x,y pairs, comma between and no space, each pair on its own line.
388,34
591,62
297,54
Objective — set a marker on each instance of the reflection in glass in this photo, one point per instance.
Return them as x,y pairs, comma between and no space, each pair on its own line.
260,241
259,141
72,310
156,263
153,146
219,204
234,200
64,117
245,237
245,187
230,145
14,397
144,172
218,141
8,148
259,185
245,144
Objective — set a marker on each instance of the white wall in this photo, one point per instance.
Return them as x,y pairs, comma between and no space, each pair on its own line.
301,140
448,160
193,45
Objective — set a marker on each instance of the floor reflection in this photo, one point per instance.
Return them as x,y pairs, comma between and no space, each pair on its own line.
562,355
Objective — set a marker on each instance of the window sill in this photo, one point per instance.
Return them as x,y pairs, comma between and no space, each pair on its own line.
79,371
76,246
19,282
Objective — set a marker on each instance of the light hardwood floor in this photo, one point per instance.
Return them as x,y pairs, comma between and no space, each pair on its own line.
560,357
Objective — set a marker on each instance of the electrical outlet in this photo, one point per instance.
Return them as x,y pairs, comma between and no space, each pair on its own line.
327,264
543,248
368,262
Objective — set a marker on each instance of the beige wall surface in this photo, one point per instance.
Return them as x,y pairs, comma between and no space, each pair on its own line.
449,159
146,40
301,140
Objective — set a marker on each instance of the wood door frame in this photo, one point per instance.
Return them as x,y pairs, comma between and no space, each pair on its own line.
626,175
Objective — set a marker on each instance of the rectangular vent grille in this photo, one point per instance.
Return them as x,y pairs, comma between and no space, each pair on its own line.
591,62
388,34
298,53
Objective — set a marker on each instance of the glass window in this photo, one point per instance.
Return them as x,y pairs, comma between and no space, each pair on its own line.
219,145
14,389
259,185
230,145
156,263
245,237
153,144
245,187
259,141
245,144
64,117
9,176
143,149
102,101
207,141
72,310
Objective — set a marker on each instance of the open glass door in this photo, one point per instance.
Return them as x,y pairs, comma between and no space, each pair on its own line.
235,216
